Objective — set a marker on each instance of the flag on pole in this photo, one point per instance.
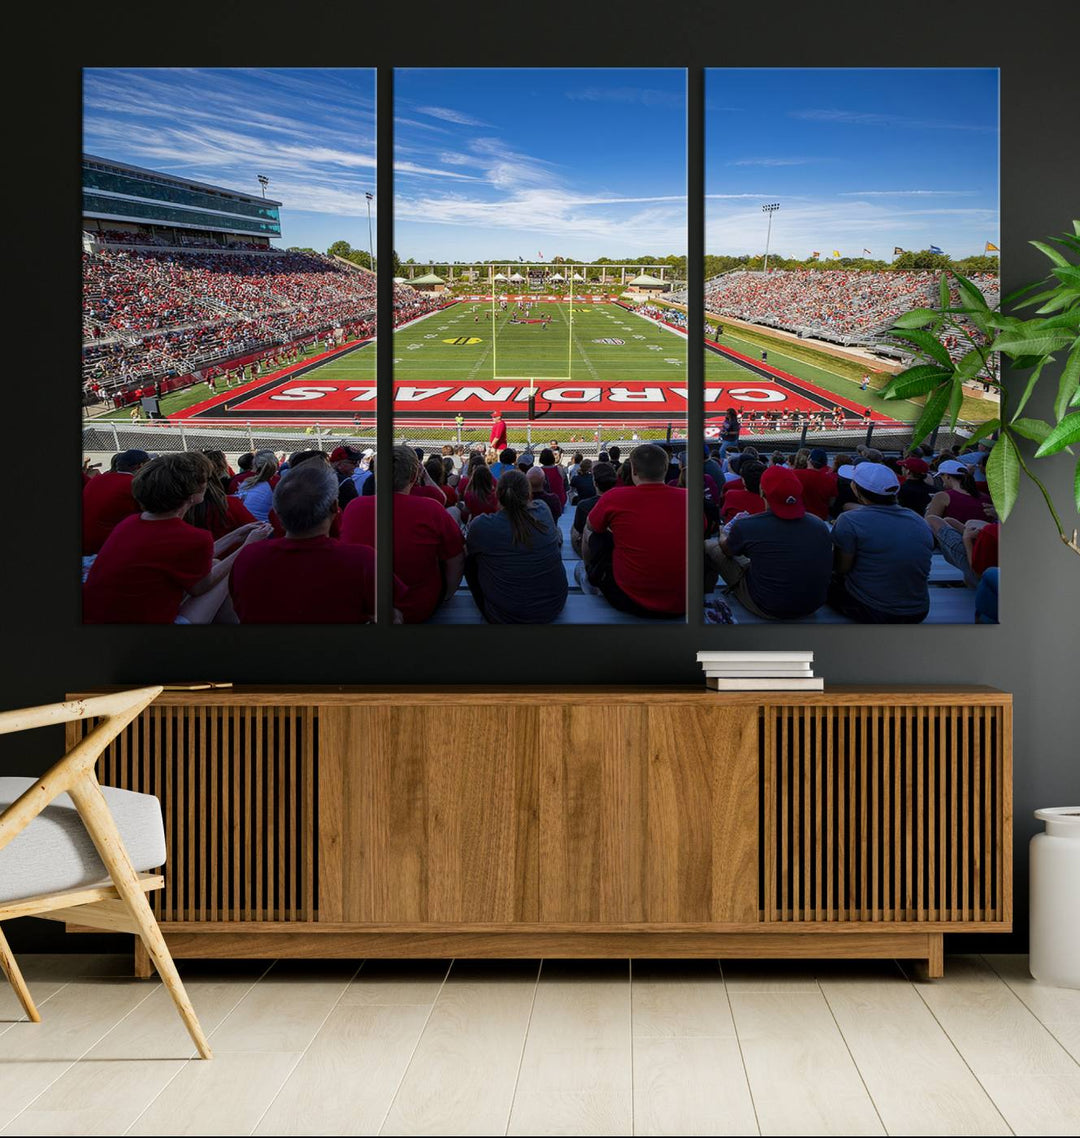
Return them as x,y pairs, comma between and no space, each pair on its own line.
992,248
868,253
836,252
815,255
935,249
540,255
897,251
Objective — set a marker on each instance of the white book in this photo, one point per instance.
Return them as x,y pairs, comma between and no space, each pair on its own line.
755,657
762,668
766,684
773,672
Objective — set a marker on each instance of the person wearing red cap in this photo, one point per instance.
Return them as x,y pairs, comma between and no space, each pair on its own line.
497,438
778,563
345,460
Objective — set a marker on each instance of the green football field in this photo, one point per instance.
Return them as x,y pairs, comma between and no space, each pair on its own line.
463,344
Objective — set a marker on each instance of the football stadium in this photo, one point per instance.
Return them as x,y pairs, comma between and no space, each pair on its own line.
200,335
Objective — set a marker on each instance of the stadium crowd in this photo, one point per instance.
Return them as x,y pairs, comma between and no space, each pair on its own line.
856,532
831,303
149,315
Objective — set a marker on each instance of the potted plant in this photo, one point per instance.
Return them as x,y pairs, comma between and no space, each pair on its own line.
1030,344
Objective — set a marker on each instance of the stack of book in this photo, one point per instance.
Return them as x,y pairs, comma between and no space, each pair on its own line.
760,671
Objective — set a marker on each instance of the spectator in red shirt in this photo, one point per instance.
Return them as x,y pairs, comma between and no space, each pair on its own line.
497,438
635,540
243,471
479,496
155,568
818,484
107,499
747,497
306,577
218,512
429,555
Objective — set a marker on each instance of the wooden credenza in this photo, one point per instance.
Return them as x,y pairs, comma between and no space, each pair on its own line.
325,822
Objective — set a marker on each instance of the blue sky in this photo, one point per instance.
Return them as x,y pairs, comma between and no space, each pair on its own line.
857,158
577,163
312,132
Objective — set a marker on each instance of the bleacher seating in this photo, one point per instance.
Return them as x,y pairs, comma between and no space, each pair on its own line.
581,607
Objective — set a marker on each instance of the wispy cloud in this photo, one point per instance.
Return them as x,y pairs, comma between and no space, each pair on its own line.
866,118
908,193
448,114
423,125
773,161
628,96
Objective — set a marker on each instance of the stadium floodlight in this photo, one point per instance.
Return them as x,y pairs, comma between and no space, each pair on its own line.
769,209
371,246
264,181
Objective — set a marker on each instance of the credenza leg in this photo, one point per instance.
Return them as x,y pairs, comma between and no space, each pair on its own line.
143,969
935,964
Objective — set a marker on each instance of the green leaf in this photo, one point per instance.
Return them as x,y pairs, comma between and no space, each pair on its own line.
1013,297
1032,380
984,429
955,402
1062,298
915,381
1069,384
943,285
1076,487
930,345
1033,343
1064,434
1068,274
969,366
1003,475
916,318
971,293
1050,251
1034,429
933,413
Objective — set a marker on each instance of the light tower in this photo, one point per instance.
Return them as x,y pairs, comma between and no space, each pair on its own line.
769,209
371,246
264,181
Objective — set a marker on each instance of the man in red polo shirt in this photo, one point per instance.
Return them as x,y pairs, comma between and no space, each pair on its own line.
306,577
497,439
429,550
107,500
635,540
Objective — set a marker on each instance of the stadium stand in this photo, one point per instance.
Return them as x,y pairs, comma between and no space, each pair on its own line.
149,315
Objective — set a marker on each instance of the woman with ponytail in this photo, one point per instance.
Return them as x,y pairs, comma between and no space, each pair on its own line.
513,565
959,497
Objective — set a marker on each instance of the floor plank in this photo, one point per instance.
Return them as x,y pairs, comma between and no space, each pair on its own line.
461,1079
286,1008
1057,1009
97,1097
802,1078
227,1095
576,1071
1038,1104
691,1084
154,1030
34,1055
347,1078
916,1078
397,982
679,998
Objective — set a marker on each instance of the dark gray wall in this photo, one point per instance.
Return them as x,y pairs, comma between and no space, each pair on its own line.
1033,653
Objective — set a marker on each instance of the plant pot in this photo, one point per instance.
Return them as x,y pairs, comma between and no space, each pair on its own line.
1055,899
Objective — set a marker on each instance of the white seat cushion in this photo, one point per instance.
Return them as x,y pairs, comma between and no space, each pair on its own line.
55,852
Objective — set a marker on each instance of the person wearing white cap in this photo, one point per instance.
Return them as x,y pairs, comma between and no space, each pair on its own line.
883,554
959,498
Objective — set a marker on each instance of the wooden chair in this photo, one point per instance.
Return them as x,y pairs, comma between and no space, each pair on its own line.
110,892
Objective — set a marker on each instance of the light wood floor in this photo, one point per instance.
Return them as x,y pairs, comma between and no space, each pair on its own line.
516,1047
